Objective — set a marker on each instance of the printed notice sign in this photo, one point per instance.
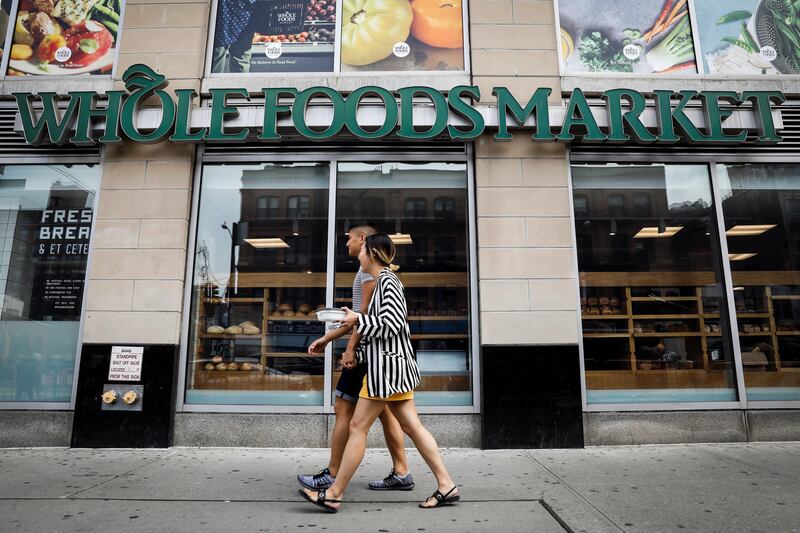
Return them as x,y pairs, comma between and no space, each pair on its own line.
126,363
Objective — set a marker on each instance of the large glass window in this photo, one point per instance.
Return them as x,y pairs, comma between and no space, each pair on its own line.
256,281
46,214
433,256
261,270
301,36
652,297
65,38
761,205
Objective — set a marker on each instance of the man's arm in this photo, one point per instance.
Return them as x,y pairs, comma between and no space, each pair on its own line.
367,289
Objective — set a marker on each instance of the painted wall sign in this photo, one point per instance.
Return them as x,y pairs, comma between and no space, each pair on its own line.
77,123
126,363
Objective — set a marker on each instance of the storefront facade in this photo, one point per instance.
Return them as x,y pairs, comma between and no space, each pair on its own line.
583,265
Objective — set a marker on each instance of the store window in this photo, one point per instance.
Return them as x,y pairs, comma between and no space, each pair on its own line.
761,206
749,37
652,297
301,36
65,38
258,281
46,214
432,253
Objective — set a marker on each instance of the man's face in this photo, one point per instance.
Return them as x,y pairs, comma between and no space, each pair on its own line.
355,239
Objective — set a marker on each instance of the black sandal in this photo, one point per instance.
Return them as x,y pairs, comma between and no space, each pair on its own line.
441,499
320,501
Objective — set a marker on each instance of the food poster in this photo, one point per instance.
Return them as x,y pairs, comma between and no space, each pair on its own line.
629,36
274,36
402,35
5,14
749,36
65,37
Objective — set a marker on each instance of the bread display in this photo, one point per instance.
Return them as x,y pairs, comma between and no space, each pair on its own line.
215,329
221,366
233,330
304,308
251,330
209,366
246,366
216,359
289,313
246,323
285,307
233,366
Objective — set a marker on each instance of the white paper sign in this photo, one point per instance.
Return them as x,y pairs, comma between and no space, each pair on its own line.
126,363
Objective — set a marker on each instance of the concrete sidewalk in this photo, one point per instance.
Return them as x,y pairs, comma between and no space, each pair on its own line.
703,488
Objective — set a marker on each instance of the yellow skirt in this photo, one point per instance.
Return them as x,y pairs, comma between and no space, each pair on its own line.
393,398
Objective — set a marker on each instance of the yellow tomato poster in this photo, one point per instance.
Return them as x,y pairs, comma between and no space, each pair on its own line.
402,35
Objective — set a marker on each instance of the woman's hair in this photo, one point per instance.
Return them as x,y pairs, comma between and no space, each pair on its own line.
381,249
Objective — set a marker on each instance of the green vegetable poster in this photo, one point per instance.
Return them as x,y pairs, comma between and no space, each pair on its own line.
629,36
749,36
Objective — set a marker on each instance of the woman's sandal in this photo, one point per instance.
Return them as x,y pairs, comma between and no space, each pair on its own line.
320,501
441,499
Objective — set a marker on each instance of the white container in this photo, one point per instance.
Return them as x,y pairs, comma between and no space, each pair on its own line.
330,314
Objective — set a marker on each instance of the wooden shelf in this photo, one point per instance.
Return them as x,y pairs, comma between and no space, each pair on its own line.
605,317
606,335
233,299
787,333
291,319
670,334
752,315
756,334
439,336
666,317
787,297
226,336
663,298
437,317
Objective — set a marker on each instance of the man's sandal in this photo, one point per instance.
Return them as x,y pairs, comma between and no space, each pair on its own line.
320,501
441,499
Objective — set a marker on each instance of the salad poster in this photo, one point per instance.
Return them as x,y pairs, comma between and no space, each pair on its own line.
300,35
750,36
64,37
633,36
5,10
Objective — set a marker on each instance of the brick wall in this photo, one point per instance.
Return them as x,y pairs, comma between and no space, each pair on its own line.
526,256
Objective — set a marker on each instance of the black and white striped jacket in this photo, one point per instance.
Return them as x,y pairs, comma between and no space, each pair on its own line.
386,344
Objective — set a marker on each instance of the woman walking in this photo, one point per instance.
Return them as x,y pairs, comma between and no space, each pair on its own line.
392,376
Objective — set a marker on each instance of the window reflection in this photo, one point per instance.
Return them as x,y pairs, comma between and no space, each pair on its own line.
651,290
259,277
432,253
761,205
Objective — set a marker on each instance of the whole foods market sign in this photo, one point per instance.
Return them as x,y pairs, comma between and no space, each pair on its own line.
413,113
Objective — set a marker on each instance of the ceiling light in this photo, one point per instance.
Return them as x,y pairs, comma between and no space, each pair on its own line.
267,243
741,257
401,238
654,233
741,230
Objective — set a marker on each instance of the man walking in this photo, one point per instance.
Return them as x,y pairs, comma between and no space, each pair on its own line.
349,386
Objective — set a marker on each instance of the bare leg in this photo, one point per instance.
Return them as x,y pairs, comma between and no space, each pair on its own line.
394,441
341,431
406,414
367,411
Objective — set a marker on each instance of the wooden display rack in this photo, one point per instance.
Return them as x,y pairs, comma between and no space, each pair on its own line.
706,375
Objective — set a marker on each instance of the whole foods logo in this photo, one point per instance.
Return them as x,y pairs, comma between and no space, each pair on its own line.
287,17
629,115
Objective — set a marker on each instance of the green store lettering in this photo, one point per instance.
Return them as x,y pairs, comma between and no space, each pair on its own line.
114,115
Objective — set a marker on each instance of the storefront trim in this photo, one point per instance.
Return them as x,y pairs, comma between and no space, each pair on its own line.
711,161
282,156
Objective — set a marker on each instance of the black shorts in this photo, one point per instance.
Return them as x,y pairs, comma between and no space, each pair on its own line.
350,382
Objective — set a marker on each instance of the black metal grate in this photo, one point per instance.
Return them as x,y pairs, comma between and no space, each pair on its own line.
14,149
786,150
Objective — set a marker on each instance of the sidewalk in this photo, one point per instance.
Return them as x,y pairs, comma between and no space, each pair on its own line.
686,488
